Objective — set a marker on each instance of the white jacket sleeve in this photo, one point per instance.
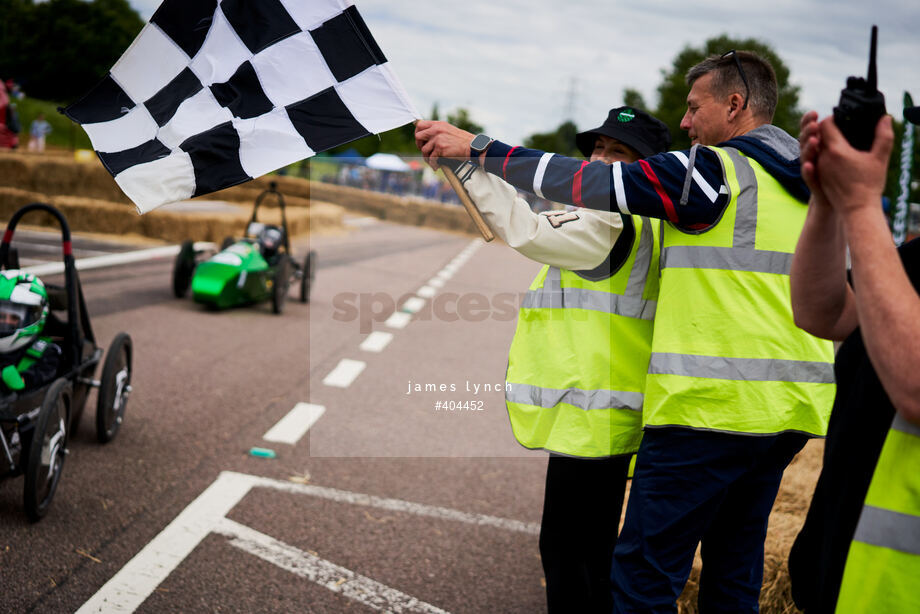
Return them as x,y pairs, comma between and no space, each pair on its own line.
575,240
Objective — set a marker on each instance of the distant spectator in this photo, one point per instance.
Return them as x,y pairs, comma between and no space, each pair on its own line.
8,137
37,133
15,92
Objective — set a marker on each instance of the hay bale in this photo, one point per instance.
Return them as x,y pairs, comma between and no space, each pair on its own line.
296,191
324,217
94,215
12,199
402,210
15,172
58,176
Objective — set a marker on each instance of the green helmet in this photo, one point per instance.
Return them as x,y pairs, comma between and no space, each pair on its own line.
23,309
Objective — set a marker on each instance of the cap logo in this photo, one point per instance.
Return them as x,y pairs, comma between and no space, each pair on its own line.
626,115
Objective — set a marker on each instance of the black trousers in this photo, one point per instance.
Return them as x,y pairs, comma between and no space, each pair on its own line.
581,514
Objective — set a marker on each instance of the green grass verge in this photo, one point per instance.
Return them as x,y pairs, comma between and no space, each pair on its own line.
64,133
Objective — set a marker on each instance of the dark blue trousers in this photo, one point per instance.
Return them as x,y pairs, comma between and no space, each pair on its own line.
692,486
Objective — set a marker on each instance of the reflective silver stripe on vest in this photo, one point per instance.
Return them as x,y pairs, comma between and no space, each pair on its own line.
902,425
547,398
592,300
746,204
725,258
741,369
630,304
741,256
888,529
643,262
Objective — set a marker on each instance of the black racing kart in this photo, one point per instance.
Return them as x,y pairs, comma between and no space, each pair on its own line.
35,425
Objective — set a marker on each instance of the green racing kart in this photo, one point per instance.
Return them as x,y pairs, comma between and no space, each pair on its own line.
256,268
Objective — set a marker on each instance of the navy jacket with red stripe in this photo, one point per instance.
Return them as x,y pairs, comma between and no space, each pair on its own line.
652,187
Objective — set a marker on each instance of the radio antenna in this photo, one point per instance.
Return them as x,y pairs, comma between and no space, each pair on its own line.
871,77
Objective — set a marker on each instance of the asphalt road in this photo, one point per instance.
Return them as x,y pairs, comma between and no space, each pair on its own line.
385,504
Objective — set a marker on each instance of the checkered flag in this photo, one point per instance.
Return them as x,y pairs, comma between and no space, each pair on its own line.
213,93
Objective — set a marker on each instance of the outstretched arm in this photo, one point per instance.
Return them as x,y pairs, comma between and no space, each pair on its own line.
576,241
652,188
822,300
887,304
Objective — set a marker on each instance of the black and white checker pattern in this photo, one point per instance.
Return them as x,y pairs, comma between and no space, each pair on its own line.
215,92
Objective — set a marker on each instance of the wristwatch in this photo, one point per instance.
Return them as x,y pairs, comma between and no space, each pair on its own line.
479,144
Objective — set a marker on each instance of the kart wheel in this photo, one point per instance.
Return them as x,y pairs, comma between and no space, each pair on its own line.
309,274
183,269
228,241
114,388
47,450
282,283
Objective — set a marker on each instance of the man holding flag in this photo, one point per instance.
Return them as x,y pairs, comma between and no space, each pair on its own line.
734,388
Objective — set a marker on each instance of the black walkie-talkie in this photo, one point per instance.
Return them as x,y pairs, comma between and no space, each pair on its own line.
861,105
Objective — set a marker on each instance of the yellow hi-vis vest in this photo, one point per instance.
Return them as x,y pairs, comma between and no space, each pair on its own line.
884,558
726,355
578,360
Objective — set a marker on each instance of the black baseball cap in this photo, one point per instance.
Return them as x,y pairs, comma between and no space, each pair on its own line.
912,114
631,126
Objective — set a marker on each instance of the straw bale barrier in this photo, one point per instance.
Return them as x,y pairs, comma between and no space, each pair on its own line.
57,176
398,209
93,202
95,215
60,176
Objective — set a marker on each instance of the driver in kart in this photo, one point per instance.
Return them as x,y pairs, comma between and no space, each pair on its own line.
270,240
27,360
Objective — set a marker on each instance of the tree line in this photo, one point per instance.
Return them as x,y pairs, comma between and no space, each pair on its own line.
59,49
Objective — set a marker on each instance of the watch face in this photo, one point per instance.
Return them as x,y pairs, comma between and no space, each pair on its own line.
480,142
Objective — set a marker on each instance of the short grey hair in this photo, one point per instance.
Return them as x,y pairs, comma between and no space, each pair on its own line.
726,80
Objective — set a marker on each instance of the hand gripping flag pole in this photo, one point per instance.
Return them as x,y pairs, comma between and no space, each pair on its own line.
449,168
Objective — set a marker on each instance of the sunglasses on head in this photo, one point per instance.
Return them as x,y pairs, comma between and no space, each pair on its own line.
747,88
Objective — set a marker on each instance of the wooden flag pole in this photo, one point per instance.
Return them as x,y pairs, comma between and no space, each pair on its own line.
449,167
465,199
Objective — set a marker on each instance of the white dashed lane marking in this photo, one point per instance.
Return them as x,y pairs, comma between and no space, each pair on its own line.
413,305
376,341
345,373
399,319
295,424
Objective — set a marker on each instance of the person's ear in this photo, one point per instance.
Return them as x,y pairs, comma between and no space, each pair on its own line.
735,105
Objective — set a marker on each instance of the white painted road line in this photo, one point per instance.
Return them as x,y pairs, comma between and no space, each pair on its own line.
436,282
345,373
413,305
398,505
98,262
399,319
128,589
328,575
297,422
376,341
426,292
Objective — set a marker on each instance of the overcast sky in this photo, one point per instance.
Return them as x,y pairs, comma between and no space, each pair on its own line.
513,63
